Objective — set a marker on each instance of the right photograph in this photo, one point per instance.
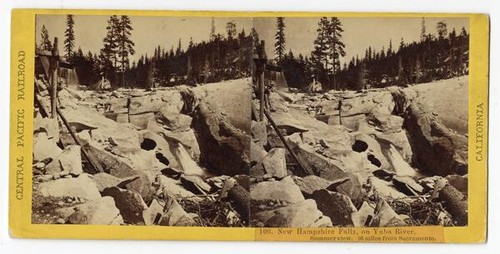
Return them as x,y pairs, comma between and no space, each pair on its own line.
359,122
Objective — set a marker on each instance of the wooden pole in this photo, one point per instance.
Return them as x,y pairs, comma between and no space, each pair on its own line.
54,77
262,88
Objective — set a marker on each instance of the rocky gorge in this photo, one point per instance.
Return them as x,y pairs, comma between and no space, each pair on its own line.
193,156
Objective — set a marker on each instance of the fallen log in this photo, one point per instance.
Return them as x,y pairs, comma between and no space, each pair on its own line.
241,198
455,203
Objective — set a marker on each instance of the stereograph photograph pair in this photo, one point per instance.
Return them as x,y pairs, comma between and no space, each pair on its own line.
350,127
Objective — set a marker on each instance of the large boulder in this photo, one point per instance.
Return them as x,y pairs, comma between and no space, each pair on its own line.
399,140
44,148
374,149
71,160
105,180
141,184
407,185
275,163
352,188
259,132
82,187
385,216
130,204
386,123
141,120
153,102
137,158
364,215
224,148
186,162
161,147
195,184
284,190
257,153
401,167
320,164
337,206
309,184
153,213
97,212
175,215
101,129
459,182
172,119
232,98
436,148
170,187
186,138
112,164
300,215
48,125
374,102
385,189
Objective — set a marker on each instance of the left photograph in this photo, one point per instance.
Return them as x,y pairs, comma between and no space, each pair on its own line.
142,120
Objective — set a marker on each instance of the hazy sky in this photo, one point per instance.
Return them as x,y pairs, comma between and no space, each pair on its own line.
359,33
147,34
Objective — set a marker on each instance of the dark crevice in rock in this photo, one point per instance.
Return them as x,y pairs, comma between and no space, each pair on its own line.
359,146
148,144
162,159
374,160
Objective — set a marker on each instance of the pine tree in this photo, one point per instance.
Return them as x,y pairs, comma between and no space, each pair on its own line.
191,44
442,29
178,51
423,33
108,54
319,56
255,39
69,41
382,53
279,44
125,44
362,77
336,46
231,30
390,51
401,45
171,53
45,43
213,36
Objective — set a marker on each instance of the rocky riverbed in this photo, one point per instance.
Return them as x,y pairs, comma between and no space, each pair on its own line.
193,156
382,157
166,156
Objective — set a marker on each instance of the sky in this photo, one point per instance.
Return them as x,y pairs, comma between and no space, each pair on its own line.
148,33
359,33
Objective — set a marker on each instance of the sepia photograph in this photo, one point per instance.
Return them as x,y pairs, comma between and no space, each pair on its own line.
363,122
289,122
142,120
